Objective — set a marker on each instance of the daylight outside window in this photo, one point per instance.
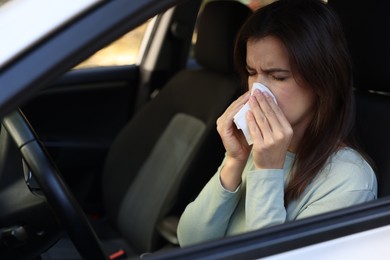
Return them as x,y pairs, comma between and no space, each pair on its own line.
123,51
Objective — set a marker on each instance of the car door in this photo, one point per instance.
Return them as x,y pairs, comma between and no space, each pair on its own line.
78,117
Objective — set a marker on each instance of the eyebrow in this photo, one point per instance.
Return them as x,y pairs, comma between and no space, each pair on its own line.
270,70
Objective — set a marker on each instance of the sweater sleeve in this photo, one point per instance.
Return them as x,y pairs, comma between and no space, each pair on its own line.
207,217
264,203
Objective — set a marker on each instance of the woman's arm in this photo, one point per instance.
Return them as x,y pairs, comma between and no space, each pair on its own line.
264,203
207,217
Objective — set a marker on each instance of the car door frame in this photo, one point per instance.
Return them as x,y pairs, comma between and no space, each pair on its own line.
290,236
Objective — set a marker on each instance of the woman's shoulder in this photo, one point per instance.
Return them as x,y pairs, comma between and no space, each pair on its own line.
348,166
349,157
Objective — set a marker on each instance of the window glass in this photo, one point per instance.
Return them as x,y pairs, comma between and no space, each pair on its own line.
123,51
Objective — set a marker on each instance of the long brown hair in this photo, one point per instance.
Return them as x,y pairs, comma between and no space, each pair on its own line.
315,41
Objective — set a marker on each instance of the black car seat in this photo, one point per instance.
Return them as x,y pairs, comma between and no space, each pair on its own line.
367,28
173,139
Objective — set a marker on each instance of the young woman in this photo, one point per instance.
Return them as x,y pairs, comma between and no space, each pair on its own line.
303,160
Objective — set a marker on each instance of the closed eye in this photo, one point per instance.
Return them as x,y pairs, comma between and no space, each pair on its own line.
278,74
278,78
251,72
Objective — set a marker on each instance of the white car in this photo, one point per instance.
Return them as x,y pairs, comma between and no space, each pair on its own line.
120,148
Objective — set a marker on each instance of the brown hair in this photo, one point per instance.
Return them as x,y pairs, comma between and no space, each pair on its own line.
314,39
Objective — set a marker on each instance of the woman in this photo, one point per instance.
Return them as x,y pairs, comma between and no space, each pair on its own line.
303,160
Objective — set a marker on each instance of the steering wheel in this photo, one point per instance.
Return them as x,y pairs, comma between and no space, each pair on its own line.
59,197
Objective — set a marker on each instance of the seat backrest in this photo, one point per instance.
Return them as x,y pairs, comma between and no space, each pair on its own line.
173,137
367,28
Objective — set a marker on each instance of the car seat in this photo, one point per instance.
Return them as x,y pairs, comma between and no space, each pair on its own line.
170,148
173,139
367,28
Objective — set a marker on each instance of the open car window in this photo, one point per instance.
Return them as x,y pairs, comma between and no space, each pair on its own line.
127,50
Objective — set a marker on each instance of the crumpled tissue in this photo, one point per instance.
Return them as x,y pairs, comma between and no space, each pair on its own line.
240,119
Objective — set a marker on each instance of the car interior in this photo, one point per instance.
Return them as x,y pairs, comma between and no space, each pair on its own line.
166,153
134,162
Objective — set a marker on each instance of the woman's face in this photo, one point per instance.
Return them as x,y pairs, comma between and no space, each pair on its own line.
268,63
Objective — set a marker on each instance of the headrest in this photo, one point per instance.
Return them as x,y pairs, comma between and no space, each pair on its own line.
367,29
218,26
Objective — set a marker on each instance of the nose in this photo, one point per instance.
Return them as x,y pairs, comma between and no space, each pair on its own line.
262,79
258,79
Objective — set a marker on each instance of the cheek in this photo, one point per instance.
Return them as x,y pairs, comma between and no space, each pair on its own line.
286,106
295,106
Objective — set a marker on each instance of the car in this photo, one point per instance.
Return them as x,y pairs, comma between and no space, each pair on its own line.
98,161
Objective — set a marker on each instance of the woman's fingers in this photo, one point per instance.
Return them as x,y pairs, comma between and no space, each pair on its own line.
225,121
271,132
264,117
234,107
232,139
254,129
273,111
238,104
268,111
267,123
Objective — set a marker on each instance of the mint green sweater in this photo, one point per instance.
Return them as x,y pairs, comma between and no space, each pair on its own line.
346,180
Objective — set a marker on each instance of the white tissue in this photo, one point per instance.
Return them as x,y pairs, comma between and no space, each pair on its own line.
240,119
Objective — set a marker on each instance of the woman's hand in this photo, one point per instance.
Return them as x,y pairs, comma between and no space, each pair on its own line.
236,146
270,130
233,140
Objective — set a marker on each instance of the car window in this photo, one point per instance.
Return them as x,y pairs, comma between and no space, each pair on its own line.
127,49
124,51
